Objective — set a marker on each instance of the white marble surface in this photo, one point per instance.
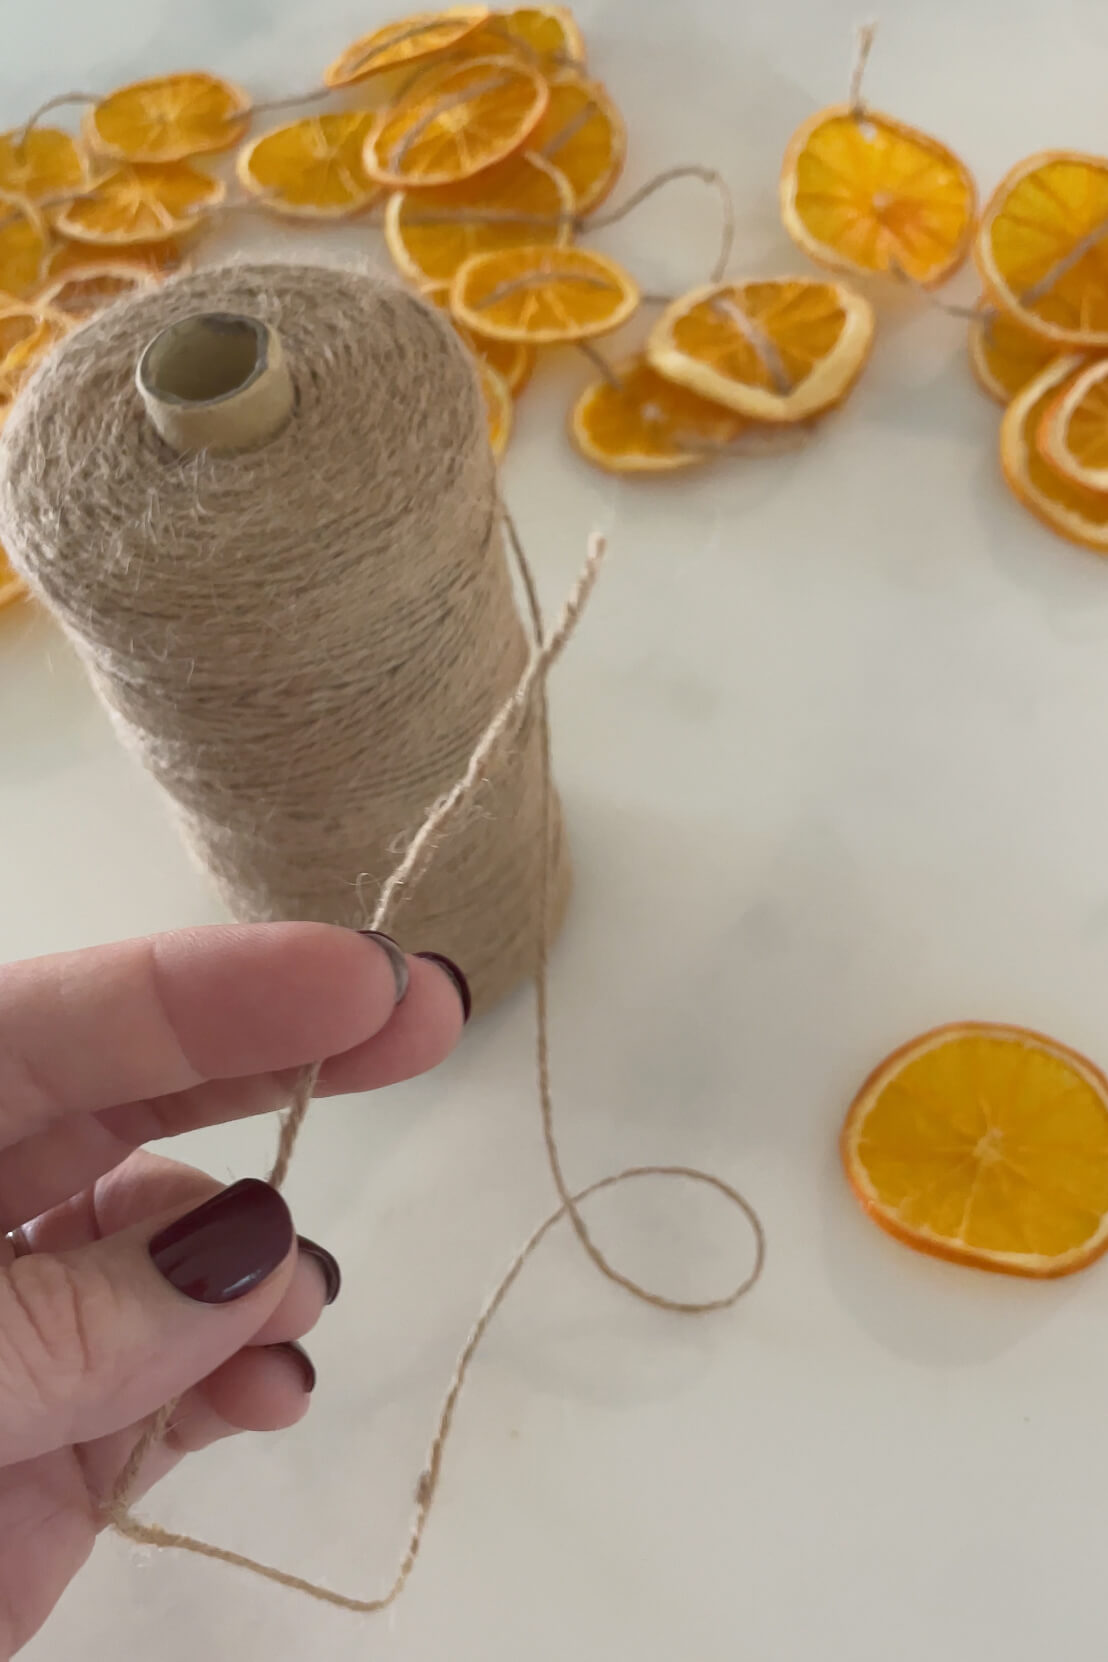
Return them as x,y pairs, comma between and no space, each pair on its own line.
832,741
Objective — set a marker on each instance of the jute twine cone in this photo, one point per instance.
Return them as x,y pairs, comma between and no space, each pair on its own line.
278,551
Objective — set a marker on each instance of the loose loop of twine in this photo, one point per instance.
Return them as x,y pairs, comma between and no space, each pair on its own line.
531,688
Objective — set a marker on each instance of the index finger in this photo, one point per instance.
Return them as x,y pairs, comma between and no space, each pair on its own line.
83,1031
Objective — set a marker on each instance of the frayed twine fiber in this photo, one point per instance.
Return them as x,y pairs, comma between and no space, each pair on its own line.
526,702
303,643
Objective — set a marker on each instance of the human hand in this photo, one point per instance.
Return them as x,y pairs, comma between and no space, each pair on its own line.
127,1280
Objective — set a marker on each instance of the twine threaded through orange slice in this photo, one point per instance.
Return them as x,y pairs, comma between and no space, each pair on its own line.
141,204
1003,355
311,169
583,134
454,121
635,421
543,296
168,118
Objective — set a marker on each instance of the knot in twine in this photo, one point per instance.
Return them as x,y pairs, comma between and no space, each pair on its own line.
381,485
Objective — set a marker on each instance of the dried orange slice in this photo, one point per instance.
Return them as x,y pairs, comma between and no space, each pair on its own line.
1071,509
23,245
498,403
27,334
312,168
409,41
775,349
168,118
159,258
141,204
547,34
1029,248
862,192
12,586
430,234
42,163
638,422
582,133
1073,435
81,293
456,120
543,295
1004,356
986,1145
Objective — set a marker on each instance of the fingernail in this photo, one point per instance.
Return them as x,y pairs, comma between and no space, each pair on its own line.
396,959
305,1365
225,1247
455,975
327,1262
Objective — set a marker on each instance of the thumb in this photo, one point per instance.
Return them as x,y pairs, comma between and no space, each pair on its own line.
94,1339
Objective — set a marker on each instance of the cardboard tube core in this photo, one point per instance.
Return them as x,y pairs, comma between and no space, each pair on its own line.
216,381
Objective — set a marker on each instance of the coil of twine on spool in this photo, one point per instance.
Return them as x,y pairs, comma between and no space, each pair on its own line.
278,551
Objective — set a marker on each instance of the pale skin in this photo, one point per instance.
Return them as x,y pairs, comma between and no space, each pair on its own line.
100,1052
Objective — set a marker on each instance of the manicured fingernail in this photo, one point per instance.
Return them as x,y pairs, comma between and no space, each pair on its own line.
396,959
305,1365
327,1262
225,1247
455,975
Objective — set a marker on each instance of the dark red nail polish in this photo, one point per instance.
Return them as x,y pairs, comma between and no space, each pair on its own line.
455,975
327,1262
225,1247
397,961
304,1363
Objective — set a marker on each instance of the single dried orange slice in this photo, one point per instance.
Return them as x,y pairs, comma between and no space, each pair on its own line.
498,404
12,586
311,169
582,133
1039,251
543,295
141,204
430,233
410,41
42,163
548,35
638,422
81,293
1074,511
23,243
1073,435
168,118
456,120
862,192
1003,355
775,349
159,258
986,1145
512,361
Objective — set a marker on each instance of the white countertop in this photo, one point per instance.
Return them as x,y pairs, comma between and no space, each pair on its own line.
833,741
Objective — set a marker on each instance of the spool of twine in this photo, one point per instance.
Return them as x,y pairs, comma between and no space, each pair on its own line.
278,550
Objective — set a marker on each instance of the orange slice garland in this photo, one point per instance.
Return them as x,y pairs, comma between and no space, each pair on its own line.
543,296
23,246
1003,355
12,586
583,134
41,164
312,168
82,292
430,234
547,35
412,40
141,204
862,192
1029,248
456,120
985,1145
1071,509
168,119
638,422
1073,435
776,350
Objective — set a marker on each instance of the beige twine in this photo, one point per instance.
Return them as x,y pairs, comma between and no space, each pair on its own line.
304,644
525,708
